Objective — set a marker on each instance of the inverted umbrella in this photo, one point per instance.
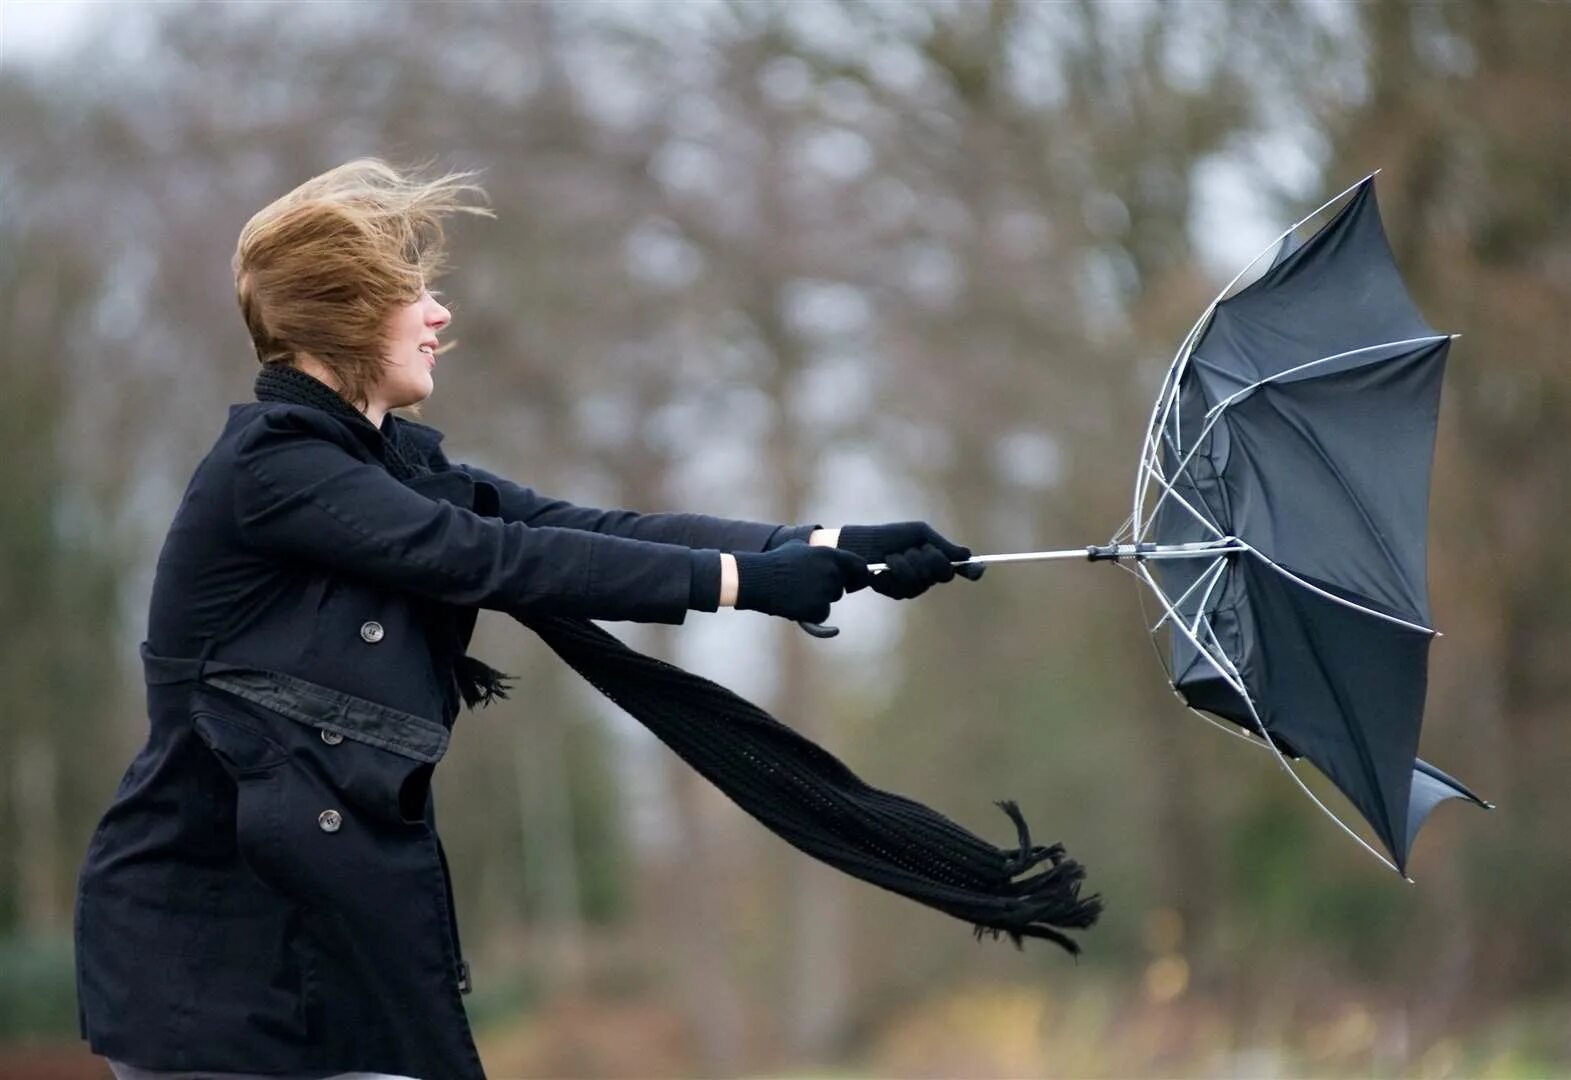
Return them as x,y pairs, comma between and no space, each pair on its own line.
1280,517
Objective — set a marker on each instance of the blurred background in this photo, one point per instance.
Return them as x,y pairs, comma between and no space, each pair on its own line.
832,262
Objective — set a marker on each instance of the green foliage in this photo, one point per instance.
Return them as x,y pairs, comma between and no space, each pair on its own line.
604,862
503,995
37,987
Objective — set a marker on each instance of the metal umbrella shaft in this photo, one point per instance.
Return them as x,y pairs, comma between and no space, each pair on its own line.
1103,553
1202,549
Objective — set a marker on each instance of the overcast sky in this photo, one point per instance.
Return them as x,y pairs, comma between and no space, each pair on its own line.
33,29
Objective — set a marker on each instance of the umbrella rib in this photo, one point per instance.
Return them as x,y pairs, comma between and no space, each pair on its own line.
1282,760
1140,598
1238,677
1200,612
1159,408
1192,587
1167,394
1358,504
1333,597
1236,683
1214,414
1248,735
1153,467
1355,736
1201,650
1241,736
1167,490
1118,534
1179,470
1222,405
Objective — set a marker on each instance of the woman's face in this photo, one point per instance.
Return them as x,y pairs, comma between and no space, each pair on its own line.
410,357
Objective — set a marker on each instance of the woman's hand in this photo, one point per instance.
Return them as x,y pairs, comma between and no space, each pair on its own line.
917,556
795,580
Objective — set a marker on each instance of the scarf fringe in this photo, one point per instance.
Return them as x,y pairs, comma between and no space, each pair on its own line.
478,682
1053,895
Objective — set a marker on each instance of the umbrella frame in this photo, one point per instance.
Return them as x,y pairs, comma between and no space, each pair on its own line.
1143,516
1128,543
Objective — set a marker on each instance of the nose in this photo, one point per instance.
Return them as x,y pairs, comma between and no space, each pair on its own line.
438,316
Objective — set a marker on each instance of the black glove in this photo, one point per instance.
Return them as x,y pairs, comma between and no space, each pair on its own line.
917,556
797,580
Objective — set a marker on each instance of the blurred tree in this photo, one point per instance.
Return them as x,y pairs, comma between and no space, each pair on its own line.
1459,107
799,260
57,597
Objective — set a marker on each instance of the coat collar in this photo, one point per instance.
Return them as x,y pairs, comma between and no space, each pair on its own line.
443,482
426,437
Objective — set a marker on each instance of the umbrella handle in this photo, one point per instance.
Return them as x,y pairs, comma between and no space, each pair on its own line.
823,630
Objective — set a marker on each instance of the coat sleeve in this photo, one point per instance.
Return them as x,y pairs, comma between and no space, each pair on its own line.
300,493
524,504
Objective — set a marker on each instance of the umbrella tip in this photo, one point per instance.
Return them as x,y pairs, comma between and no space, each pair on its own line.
1409,880
1487,805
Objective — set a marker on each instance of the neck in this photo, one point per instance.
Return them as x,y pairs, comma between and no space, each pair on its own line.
374,410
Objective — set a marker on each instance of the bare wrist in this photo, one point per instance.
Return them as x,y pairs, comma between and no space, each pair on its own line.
728,579
824,537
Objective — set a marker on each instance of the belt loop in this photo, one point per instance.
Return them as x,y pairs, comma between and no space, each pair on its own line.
201,660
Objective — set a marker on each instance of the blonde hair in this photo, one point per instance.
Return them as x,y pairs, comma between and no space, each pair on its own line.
321,269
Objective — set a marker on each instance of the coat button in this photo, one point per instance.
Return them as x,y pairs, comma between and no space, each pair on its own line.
371,630
329,820
331,738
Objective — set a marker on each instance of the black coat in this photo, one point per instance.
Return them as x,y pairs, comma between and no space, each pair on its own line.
267,891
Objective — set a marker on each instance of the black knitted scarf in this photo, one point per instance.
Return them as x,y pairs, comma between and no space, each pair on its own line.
793,786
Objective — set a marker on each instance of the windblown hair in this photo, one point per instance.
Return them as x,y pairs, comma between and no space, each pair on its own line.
321,269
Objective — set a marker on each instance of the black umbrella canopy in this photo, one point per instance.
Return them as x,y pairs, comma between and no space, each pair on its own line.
1301,421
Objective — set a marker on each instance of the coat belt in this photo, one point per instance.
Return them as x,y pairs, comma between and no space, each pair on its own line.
305,701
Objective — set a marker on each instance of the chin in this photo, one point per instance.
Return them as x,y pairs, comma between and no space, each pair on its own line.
420,391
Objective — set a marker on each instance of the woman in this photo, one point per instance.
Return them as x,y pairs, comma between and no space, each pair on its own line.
267,892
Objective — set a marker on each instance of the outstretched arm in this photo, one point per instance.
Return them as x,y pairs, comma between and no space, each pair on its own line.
524,504
300,493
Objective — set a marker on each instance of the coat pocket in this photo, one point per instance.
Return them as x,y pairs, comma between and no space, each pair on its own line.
317,813
252,759
242,745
